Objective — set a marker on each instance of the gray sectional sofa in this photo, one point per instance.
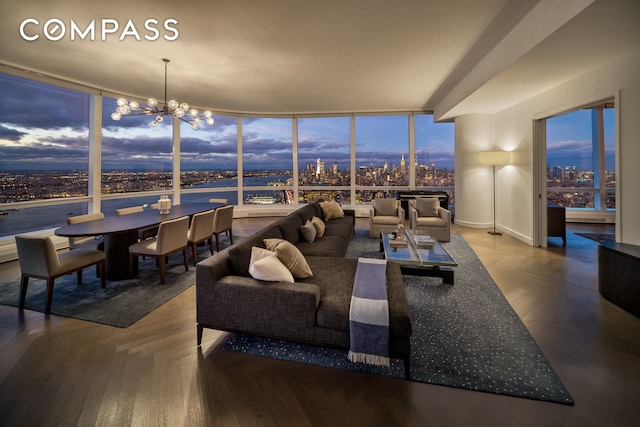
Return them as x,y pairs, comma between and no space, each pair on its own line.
312,310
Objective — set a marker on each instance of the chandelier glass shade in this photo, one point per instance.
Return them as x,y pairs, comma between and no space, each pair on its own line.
172,107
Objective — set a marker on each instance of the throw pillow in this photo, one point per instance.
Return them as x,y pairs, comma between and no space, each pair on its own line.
265,265
386,207
290,256
331,210
308,231
427,206
319,225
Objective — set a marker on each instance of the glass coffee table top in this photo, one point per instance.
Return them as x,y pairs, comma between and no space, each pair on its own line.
412,253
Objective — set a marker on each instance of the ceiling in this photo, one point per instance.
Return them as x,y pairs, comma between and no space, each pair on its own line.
289,56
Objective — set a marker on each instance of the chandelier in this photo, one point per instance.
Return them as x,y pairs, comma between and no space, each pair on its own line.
173,108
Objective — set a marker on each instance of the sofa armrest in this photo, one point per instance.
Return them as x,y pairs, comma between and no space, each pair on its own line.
445,214
214,268
401,213
413,217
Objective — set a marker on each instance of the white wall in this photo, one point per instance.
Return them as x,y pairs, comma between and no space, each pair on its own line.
513,129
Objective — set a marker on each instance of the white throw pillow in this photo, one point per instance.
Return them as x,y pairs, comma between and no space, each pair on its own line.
265,265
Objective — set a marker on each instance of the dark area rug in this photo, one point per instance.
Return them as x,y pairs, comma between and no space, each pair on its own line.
120,304
466,335
599,237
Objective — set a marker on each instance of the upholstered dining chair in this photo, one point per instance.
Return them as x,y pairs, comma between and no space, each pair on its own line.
171,238
200,230
384,213
38,258
223,201
86,242
223,222
144,233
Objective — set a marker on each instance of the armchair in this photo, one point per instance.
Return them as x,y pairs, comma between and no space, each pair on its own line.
426,213
384,213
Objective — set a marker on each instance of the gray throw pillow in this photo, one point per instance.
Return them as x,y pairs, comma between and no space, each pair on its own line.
308,231
386,207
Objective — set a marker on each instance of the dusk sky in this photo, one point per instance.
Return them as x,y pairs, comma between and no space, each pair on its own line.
45,127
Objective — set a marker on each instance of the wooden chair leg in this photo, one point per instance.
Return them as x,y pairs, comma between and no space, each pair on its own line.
24,282
101,268
161,262
49,295
186,257
231,235
193,250
217,242
211,245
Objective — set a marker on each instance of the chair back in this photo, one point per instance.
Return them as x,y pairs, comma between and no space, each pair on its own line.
201,226
74,241
172,235
223,201
130,210
37,255
385,206
223,219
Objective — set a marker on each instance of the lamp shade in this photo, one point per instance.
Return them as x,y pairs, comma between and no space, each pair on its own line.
494,157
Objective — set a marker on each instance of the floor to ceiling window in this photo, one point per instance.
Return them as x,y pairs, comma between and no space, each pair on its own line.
324,158
209,161
350,158
382,150
581,159
267,160
434,158
44,153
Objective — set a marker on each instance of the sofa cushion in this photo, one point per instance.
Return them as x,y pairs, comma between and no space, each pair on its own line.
386,207
240,253
427,206
431,221
331,210
319,225
265,265
290,227
308,231
290,256
327,246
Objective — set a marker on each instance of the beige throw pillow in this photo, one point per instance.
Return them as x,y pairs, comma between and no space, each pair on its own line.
331,210
290,256
386,207
427,206
308,231
319,225
265,265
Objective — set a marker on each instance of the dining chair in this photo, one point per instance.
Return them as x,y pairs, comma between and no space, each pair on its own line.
86,242
223,222
38,258
143,233
223,201
171,238
200,230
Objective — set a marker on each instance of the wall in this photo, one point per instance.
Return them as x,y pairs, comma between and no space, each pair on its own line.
513,129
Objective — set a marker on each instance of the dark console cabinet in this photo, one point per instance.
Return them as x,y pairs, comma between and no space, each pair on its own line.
619,275
557,223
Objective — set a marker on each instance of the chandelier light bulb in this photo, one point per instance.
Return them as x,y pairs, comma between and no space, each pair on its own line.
194,112
184,106
207,113
154,124
121,102
178,112
152,102
209,120
194,126
173,104
159,119
115,116
134,105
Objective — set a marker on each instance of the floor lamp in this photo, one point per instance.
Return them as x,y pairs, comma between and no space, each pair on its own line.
494,158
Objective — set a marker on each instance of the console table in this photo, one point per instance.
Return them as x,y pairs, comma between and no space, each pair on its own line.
619,275
557,222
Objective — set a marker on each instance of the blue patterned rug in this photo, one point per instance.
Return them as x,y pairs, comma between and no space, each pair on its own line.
466,335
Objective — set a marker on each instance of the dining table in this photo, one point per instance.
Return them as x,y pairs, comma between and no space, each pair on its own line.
120,232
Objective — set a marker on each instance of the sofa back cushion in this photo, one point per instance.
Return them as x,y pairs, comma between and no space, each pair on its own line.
290,227
385,207
427,206
240,253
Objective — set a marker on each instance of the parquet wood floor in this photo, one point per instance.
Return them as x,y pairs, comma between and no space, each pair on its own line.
57,371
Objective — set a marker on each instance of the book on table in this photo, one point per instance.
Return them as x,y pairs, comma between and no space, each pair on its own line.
423,240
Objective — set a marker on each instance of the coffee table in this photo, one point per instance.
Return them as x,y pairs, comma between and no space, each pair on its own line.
433,261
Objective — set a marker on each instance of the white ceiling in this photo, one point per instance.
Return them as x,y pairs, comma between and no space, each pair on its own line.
294,56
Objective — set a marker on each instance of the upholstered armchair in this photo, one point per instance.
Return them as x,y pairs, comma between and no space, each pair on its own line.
425,213
384,214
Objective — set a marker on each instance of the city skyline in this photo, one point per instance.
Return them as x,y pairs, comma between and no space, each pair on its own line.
45,127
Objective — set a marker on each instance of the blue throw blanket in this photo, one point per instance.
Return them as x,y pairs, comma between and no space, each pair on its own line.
369,314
